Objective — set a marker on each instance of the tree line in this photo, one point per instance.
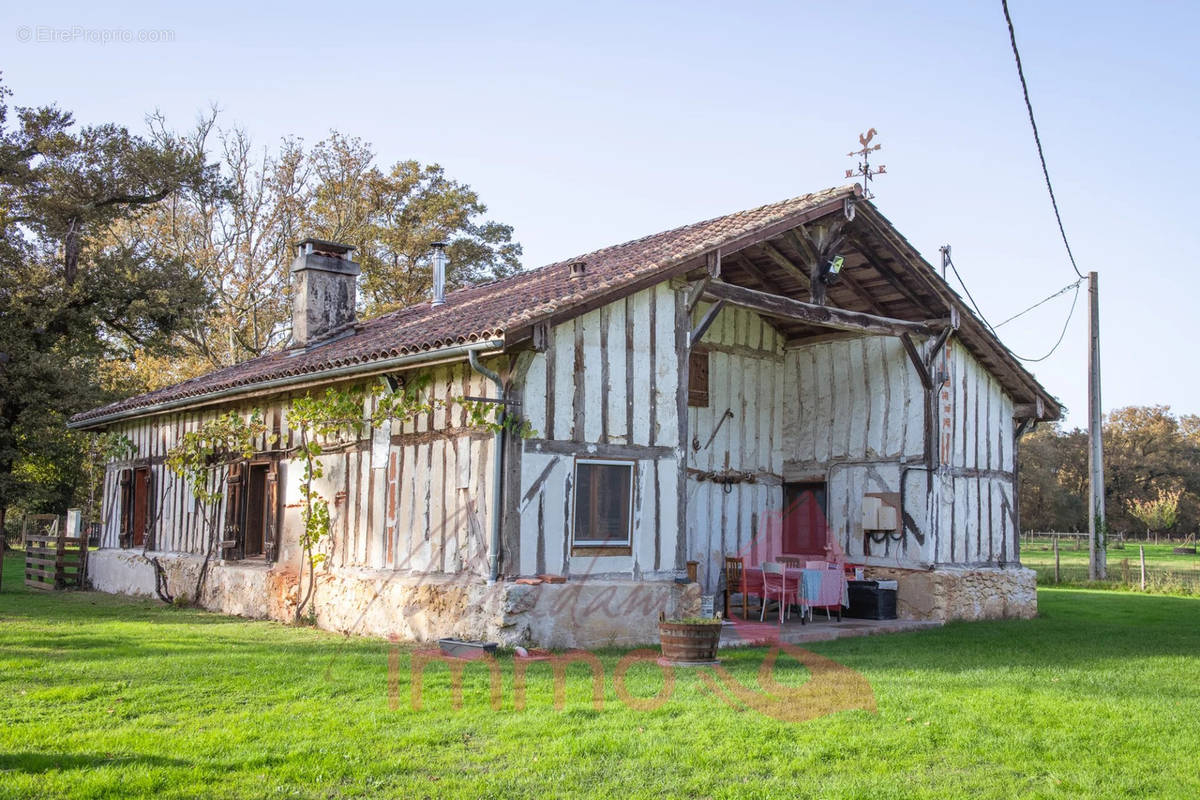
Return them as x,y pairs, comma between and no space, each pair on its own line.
1151,474
134,260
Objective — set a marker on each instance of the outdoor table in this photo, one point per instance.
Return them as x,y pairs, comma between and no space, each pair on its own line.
819,588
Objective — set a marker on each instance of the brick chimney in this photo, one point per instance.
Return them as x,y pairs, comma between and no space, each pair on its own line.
324,286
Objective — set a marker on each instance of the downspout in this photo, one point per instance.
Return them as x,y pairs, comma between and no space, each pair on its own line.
497,466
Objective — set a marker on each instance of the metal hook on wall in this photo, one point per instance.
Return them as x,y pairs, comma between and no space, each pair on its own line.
696,440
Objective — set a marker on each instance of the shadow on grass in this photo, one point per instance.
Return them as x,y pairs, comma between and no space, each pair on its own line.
34,763
1075,629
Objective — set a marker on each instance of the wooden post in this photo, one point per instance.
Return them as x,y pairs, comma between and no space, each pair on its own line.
1125,571
1097,560
1056,559
1142,557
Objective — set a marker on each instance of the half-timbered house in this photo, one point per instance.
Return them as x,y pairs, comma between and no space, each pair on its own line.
683,392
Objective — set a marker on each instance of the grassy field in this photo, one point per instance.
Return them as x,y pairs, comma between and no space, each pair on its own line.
110,697
1166,571
1158,556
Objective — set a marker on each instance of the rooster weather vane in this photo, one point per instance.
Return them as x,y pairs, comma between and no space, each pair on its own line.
865,169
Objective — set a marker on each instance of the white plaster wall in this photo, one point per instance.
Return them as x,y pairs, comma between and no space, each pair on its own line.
746,377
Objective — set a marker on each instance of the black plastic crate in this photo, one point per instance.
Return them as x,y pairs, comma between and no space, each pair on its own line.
868,601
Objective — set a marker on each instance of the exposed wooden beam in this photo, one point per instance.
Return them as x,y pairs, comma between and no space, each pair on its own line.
862,294
802,246
918,363
764,280
768,285
795,271
939,343
819,248
785,264
772,305
1034,411
712,262
891,277
697,291
827,336
707,320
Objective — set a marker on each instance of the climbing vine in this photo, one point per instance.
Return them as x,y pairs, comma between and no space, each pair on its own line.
328,422
492,416
201,459
336,419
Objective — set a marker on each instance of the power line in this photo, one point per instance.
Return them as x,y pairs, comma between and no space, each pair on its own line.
992,328
1061,336
1064,290
974,305
1037,139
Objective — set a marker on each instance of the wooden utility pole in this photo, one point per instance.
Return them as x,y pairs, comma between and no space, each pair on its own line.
1097,558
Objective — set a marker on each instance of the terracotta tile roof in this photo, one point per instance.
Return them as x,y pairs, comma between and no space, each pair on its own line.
479,313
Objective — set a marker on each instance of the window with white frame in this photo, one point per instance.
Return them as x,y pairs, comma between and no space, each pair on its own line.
603,503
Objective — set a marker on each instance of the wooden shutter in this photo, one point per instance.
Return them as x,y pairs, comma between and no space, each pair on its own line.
698,379
231,544
148,487
125,517
271,513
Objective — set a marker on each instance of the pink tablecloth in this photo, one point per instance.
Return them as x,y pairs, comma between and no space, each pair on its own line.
831,591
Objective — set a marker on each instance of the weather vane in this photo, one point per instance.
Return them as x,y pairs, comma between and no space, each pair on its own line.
865,169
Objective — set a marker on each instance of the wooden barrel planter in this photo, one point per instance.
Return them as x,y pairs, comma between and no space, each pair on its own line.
689,642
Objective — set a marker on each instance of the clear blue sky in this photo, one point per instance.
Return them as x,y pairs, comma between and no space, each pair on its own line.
588,125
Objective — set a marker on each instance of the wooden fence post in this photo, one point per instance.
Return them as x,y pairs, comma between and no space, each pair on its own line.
1142,556
1125,571
1056,559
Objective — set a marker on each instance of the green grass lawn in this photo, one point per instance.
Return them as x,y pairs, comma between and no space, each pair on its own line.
1158,556
1167,572
110,697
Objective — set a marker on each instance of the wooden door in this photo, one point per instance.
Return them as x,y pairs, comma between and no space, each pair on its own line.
805,528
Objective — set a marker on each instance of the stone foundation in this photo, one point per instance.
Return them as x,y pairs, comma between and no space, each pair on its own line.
580,613
962,593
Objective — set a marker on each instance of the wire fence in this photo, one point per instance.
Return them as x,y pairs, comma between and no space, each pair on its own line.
1126,577
1166,566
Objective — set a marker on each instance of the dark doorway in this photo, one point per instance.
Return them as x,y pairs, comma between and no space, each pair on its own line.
256,511
805,526
140,505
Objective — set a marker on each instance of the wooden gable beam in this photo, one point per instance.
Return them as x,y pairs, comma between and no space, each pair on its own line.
771,305
785,264
919,363
765,281
792,269
705,322
891,277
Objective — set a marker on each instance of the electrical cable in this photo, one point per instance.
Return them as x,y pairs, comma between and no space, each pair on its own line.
1062,335
1070,314
1061,291
974,305
1037,139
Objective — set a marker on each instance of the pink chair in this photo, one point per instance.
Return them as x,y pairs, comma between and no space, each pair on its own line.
775,586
